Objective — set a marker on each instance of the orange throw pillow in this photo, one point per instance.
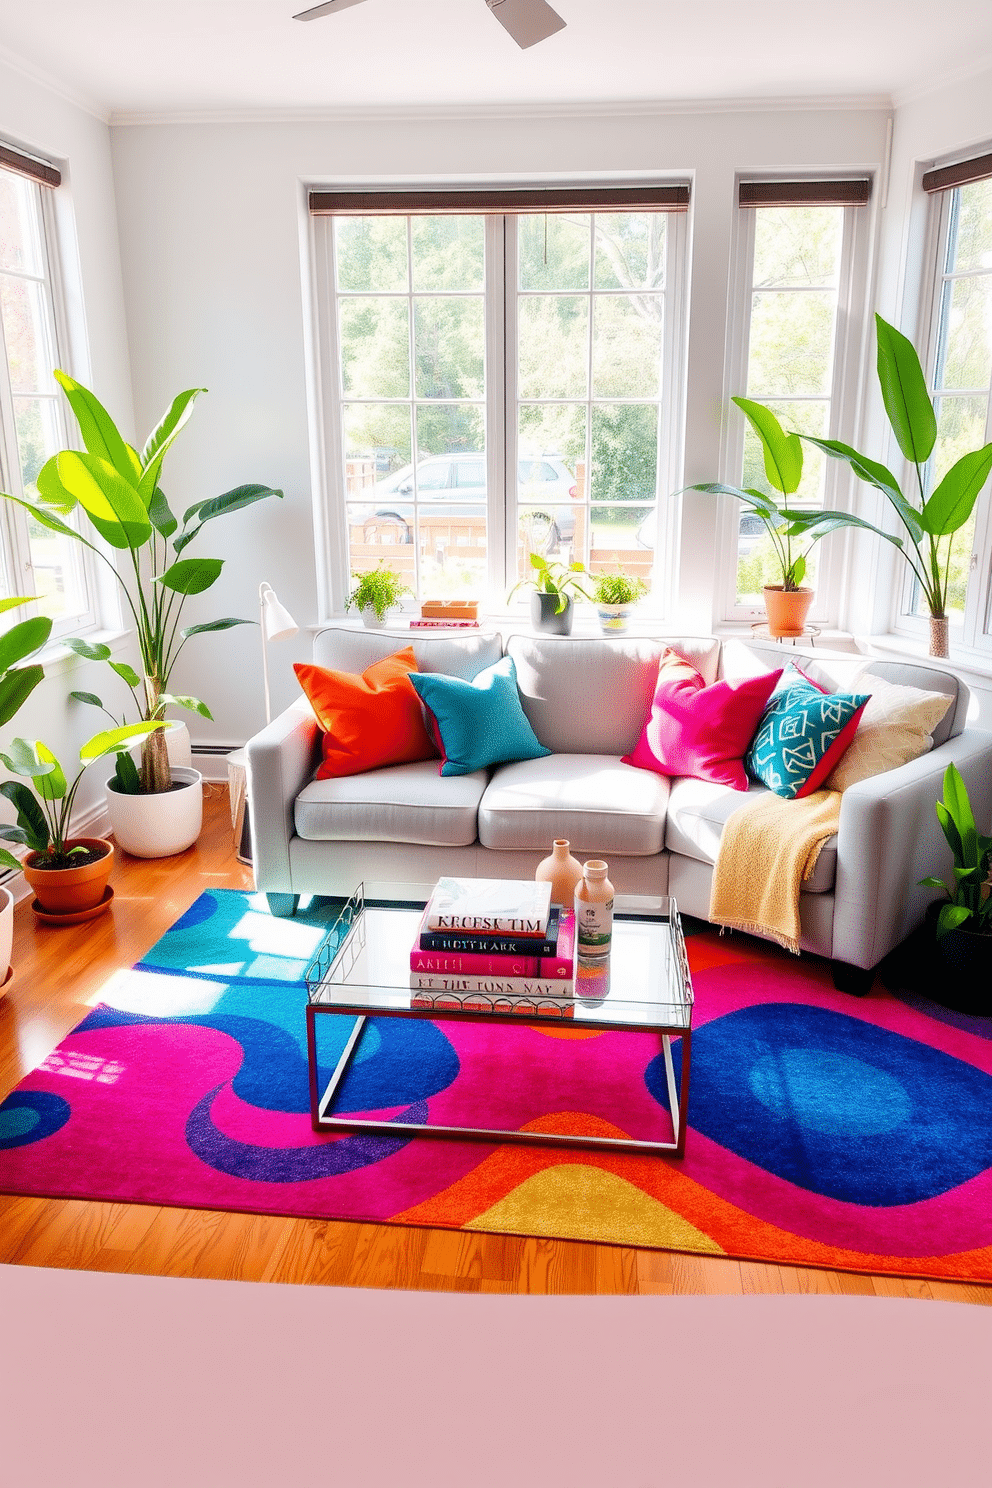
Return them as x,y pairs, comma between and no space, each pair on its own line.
368,721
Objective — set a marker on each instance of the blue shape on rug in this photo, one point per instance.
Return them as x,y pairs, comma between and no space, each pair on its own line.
27,1116
836,1105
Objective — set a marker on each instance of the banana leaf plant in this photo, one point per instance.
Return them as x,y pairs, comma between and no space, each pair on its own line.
926,519
44,808
794,531
16,644
117,491
969,903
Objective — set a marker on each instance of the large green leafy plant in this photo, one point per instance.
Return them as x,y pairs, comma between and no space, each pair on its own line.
793,530
925,519
969,903
16,644
117,491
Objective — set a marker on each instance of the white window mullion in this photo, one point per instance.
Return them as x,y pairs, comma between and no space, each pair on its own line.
501,401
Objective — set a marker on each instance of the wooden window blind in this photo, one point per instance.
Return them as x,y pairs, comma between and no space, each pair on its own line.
964,173
850,193
672,197
25,165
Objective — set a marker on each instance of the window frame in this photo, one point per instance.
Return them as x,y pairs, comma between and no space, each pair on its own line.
974,635
18,564
853,291
329,495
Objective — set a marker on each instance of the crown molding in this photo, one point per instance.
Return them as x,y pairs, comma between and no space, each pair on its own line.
926,87
414,113
53,84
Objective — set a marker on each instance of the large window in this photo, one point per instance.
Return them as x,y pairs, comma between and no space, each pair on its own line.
958,355
34,561
497,384
800,252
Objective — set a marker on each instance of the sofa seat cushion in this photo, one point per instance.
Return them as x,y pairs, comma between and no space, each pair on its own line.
402,803
599,804
697,813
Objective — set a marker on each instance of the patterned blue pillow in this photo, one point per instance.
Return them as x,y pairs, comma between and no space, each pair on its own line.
802,734
481,722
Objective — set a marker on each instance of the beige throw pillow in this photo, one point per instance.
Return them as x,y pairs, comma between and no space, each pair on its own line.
895,727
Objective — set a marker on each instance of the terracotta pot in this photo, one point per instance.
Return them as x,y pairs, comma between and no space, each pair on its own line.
69,890
787,609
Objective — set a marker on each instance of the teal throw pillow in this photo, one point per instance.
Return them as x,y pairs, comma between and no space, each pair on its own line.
480,722
802,734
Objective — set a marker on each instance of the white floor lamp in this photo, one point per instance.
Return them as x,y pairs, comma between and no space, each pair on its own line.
277,624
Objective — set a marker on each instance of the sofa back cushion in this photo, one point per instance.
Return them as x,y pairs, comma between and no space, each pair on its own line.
841,672
592,695
350,650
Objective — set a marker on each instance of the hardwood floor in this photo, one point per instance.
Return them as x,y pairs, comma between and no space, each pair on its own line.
59,975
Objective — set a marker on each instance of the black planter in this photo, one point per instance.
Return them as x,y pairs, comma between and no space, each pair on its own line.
960,967
543,616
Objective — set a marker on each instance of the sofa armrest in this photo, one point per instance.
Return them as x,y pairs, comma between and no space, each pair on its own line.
281,760
889,838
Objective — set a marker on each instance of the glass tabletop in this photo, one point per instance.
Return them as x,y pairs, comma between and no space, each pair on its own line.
363,965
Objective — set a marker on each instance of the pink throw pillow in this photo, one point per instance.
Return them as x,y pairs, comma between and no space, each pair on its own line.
697,730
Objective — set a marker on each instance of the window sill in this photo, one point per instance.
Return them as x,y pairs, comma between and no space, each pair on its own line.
972,665
57,658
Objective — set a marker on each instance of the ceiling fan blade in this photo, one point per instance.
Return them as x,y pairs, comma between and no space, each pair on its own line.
528,21
326,9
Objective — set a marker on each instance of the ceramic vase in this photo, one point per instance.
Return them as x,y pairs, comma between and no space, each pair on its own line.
545,615
614,619
562,871
939,635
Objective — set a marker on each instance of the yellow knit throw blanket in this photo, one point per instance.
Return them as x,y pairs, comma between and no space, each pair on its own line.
768,848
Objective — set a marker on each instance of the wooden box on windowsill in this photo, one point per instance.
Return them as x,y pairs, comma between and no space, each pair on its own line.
449,609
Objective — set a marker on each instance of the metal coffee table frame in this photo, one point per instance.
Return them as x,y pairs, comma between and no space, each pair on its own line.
329,991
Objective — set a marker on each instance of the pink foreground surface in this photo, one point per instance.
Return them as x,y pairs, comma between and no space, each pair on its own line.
154,1381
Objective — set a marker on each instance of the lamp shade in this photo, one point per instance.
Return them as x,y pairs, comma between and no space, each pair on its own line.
277,623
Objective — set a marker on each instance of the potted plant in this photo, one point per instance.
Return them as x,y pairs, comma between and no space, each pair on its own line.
793,531
68,874
117,491
615,595
554,584
376,593
962,923
926,519
16,685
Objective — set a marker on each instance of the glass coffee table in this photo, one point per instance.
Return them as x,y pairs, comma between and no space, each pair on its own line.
362,970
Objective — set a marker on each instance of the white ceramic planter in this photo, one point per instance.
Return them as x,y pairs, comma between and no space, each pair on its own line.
157,826
614,619
6,935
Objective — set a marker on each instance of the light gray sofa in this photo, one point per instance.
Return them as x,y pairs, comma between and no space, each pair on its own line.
587,699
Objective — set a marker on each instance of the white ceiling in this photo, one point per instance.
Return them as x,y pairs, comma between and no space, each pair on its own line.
133,58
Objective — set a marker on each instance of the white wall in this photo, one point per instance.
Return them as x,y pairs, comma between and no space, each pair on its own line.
44,122
211,236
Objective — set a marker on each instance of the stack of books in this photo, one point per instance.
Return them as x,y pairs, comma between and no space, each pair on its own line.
494,945
451,614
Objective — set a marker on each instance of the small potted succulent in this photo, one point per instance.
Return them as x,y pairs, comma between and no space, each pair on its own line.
962,923
68,874
616,595
376,593
554,584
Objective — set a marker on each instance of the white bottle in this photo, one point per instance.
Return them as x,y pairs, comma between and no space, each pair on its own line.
593,911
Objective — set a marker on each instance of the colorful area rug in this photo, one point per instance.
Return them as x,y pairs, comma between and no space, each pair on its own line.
823,1130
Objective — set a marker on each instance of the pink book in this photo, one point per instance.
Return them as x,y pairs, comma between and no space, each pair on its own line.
491,963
